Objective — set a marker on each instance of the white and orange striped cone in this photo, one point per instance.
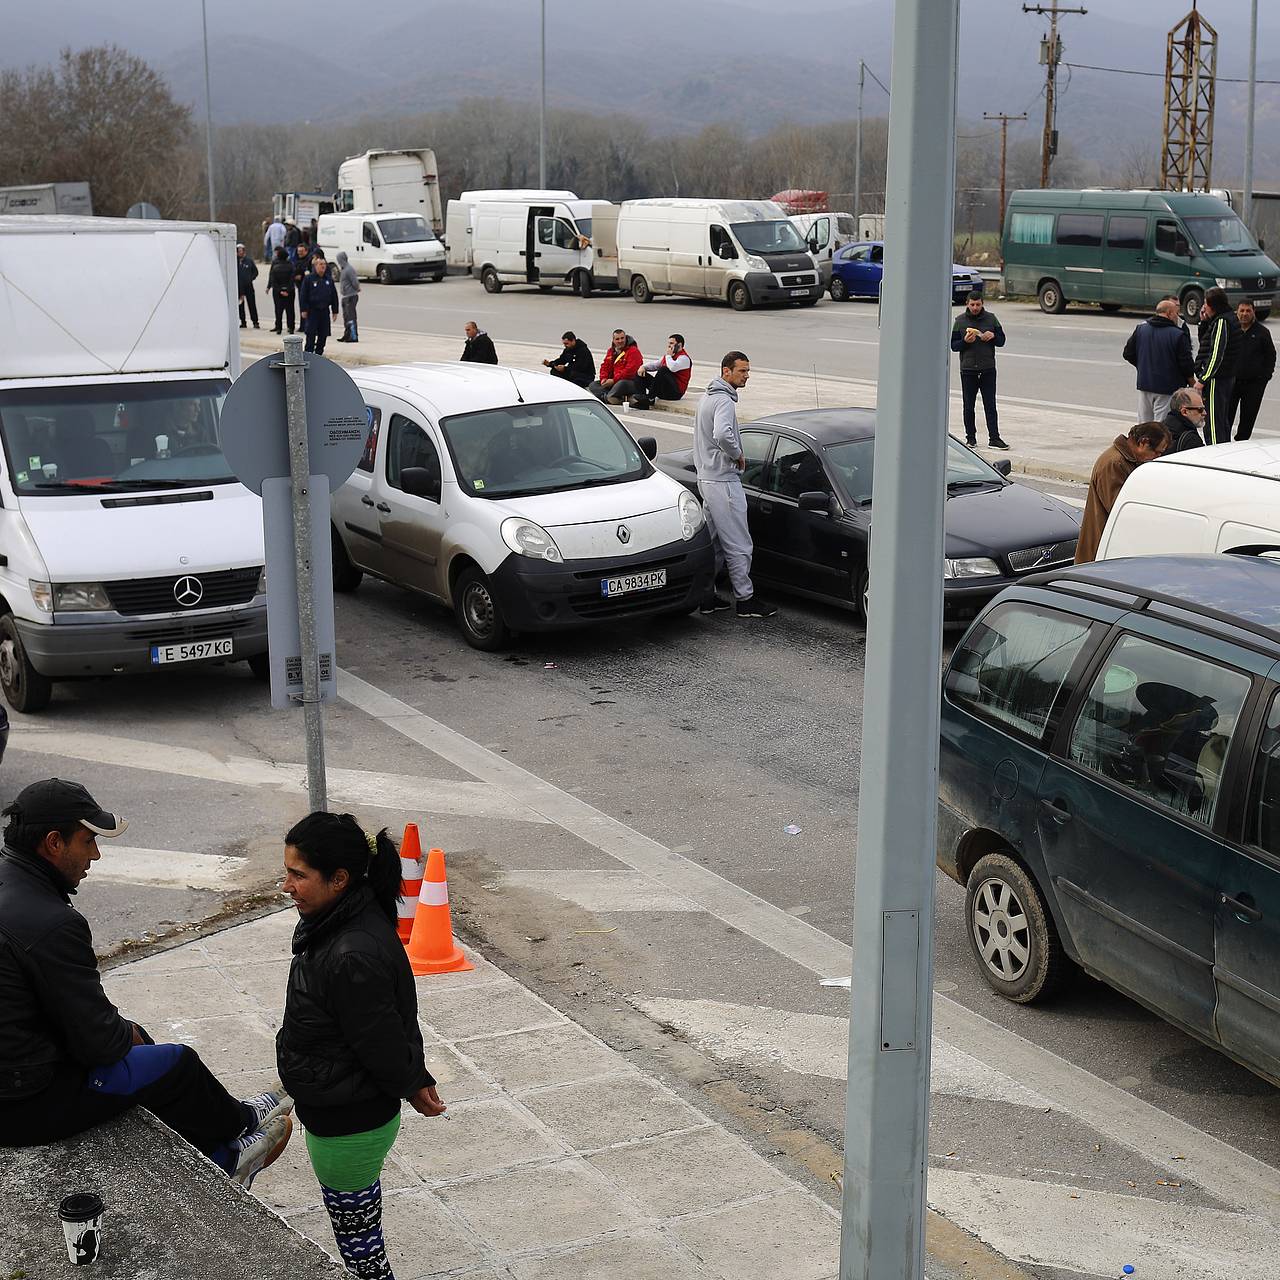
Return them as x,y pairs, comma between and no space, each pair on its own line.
431,945
410,881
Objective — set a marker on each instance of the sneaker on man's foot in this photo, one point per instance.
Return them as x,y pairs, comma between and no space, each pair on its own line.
997,443
266,1106
971,441
639,402
715,604
754,607
256,1150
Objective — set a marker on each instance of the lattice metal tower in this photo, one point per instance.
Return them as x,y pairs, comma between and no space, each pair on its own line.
1191,67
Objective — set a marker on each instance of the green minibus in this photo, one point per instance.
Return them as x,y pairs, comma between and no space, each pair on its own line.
1130,249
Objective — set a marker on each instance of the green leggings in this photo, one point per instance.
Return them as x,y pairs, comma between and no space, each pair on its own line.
353,1161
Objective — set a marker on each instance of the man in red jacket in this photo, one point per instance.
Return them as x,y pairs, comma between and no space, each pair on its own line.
621,364
665,379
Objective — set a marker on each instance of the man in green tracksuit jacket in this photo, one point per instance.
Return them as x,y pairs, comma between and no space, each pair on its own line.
1216,358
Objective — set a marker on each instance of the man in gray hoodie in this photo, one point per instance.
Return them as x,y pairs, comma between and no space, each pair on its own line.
349,296
718,457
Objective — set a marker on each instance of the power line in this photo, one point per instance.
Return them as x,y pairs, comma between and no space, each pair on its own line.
885,87
1158,75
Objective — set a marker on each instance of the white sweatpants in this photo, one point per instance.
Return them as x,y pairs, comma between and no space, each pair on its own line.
1153,406
725,505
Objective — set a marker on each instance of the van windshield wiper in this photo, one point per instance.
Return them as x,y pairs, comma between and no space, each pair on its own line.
115,486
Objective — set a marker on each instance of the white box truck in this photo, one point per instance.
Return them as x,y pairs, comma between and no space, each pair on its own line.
387,247
745,252
387,181
546,243
126,545
460,217
48,197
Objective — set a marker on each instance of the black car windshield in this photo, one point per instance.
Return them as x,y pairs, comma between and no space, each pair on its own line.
127,437
853,461
541,448
403,230
1226,234
769,237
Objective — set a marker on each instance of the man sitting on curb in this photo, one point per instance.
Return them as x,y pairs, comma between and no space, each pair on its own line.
68,1059
669,380
621,363
574,363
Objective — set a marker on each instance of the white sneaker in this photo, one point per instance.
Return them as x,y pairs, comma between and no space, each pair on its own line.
266,1106
255,1151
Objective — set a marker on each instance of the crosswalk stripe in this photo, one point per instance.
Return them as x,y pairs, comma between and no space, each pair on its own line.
166,868
1097,1232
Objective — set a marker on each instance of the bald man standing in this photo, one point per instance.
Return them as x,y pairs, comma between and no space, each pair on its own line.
1160,347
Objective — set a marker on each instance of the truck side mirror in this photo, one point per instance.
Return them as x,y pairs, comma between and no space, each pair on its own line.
726,251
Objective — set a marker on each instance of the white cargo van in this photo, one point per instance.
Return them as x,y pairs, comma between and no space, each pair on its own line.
460,216
387,247
382,181
1225,497
546,243
824,233
744,252
125,543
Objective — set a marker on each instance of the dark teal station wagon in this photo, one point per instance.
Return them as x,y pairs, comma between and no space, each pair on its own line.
1110,790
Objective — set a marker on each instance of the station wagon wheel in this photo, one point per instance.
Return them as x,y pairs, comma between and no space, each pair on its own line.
1051,300
839,290
477,611
1012,934
1192,301
862,595
25,689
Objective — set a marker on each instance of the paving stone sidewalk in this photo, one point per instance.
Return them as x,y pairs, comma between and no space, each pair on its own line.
557,1158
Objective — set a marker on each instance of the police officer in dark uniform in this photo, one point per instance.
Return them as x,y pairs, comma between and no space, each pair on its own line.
317,301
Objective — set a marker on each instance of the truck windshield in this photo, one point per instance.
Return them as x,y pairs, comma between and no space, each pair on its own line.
403,230
769,237
541,448
1226,234
114,439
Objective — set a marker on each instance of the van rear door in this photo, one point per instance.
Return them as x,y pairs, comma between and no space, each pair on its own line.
1124,261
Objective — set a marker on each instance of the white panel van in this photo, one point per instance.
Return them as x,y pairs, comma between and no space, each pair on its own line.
824,233
388,247
460,216
1224,497
546,243
745,252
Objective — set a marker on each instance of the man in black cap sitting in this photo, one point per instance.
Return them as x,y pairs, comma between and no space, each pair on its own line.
68,1059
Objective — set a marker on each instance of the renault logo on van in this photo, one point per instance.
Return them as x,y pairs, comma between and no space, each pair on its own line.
188,592
624,534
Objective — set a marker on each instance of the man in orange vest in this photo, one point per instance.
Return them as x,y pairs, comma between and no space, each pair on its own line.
665,379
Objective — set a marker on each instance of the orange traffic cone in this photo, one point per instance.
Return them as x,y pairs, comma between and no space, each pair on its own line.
410,881
431,945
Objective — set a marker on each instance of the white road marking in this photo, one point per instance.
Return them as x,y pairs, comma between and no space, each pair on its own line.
817,1044
1097,1232
166,868
598,891
346,786
1231,1175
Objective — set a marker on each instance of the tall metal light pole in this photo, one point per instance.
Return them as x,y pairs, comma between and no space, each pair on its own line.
542,108
208,109
857,156
1246,211
887,1110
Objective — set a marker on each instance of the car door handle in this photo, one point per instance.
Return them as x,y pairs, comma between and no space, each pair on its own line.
1056,812
1242,906
382,506
368,501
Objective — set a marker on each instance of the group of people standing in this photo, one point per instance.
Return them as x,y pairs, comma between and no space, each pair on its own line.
349,1050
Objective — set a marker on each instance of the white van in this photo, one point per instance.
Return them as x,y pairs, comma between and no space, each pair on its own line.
388,247
517,500
1224,497
126,545
459,218
743,251
546,243
824,233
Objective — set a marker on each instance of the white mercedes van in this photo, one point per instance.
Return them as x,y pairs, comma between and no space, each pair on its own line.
1224,497
387,247
126,545
518,501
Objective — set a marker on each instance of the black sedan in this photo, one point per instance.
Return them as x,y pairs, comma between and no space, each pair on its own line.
808,485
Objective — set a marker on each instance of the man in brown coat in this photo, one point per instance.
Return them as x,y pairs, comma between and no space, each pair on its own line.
1145,441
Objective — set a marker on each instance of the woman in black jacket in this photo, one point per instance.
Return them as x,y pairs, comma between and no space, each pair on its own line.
350,1048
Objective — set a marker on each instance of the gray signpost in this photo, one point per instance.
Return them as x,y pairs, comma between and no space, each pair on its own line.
292,444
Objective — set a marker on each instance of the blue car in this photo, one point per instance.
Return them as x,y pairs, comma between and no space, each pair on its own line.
857,268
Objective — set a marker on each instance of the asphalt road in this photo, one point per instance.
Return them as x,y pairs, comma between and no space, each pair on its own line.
1073,358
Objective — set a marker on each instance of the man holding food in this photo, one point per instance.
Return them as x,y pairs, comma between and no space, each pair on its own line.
975,335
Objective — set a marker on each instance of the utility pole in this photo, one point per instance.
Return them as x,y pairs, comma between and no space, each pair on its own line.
1246,211
857,154
1050,55
542,108
1004,149
208,109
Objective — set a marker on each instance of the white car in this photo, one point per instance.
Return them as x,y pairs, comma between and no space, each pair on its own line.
517,499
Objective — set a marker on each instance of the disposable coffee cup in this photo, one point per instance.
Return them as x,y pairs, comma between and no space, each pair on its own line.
81,1216
50,470
162,446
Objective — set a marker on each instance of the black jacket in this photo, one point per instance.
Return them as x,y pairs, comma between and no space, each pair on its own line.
53,1010
246,272
976,356
1257,354
1161,350
1186,435
479,350
301,268
350,1047
318,292
579,366
1219,349
280,277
